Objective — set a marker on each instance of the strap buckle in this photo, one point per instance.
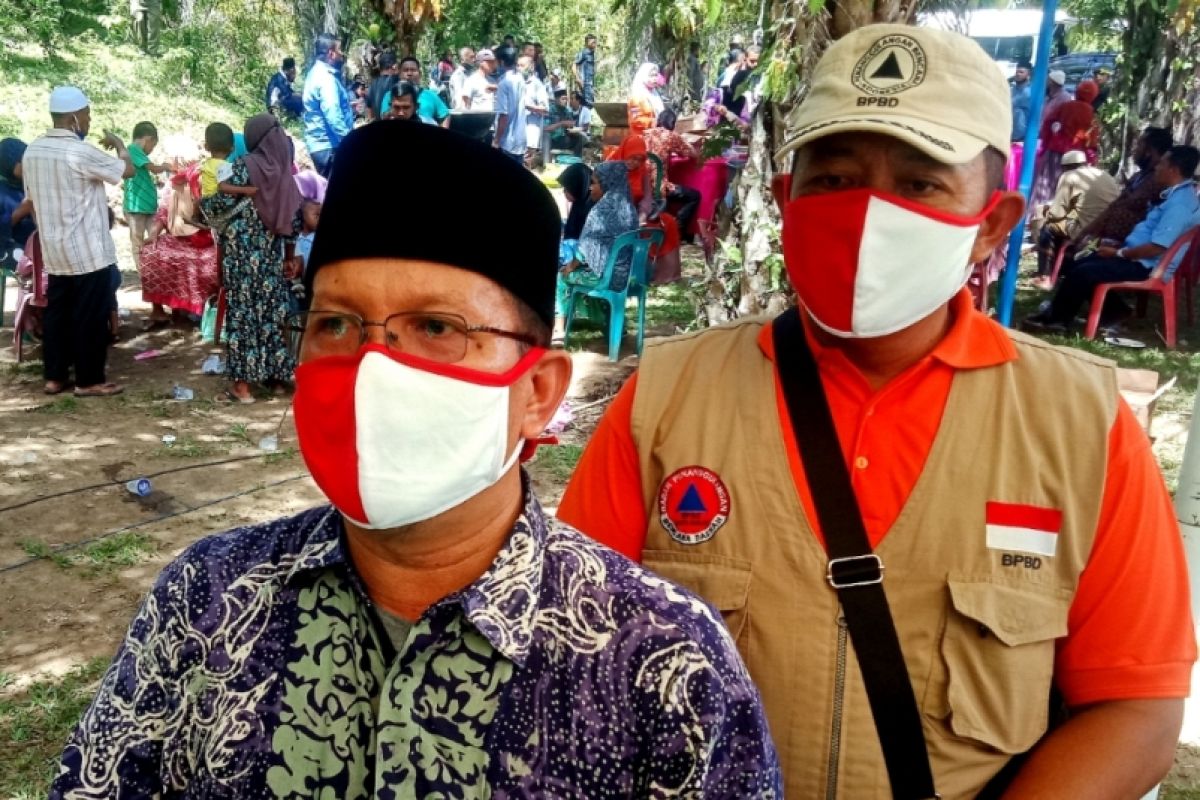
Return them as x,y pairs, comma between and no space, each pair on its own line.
851,571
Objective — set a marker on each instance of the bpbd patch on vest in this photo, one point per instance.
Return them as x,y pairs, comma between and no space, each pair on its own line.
693,504
1025,529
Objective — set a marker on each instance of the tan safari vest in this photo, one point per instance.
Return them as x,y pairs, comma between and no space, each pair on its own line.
977,625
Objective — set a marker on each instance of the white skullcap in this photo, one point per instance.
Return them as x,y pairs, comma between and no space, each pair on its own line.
65,99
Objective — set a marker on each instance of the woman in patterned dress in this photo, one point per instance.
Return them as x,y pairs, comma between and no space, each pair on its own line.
257,245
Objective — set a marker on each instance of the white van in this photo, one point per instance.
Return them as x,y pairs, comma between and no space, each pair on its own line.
1008,35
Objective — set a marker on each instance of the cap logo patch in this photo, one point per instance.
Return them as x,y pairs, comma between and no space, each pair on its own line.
893,64
693,504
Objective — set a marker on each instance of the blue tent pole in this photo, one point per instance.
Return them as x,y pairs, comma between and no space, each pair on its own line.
1008,281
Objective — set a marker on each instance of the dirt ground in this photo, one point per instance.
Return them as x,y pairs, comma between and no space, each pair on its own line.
52,618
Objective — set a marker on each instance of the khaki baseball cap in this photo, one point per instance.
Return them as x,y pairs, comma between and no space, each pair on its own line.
935,90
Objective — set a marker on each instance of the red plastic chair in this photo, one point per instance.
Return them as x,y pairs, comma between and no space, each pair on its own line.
31,295
1060,254
1154,284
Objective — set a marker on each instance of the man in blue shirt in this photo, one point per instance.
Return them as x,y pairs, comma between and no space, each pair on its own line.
511,113
1020,100
1178,211
584,70
328,117
433,633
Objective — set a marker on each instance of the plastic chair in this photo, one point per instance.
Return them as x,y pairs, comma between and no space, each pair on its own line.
638,244
31,294
1154,284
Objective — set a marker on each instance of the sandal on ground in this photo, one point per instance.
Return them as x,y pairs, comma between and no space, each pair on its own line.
99,390
227,397
56,387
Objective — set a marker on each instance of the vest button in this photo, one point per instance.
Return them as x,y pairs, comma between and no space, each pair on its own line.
861,462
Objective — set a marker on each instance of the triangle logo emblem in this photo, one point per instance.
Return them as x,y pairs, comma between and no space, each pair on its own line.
889,69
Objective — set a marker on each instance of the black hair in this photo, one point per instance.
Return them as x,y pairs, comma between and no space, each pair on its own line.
577,96
1023,64
324,43
387,59
694,46
288,63
1159,139
219,137
993,164
144,129
507,56
413,59
531,323
508,36
405,88
591,37
1184,158
667,118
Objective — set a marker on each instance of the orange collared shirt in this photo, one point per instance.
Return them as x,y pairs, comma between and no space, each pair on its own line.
1129,629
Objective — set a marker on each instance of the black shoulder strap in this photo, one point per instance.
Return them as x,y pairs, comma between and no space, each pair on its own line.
854,571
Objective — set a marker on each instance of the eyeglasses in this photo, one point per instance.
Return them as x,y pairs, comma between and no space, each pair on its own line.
433,336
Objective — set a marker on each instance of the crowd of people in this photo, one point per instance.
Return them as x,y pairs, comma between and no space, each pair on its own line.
222,233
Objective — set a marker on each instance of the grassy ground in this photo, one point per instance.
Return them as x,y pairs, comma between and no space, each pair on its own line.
124,86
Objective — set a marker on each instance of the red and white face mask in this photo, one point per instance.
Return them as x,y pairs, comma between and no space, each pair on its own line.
865,263
392,440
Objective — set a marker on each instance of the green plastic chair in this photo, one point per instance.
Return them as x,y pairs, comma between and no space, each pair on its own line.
638,243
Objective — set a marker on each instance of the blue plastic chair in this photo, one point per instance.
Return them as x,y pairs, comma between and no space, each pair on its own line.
638,243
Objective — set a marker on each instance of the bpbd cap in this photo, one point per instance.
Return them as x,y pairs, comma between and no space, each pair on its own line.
935,90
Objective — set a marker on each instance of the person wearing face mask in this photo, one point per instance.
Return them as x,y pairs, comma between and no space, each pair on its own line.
64,179
433,633
328,116
911,546
466,65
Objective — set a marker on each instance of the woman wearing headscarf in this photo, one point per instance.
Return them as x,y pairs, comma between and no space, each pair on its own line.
611,214
645,103
258,244
16,210
643,179
576,182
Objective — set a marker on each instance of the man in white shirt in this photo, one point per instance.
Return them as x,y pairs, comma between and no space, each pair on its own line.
458,78
537,108
65,177
510,108
479,90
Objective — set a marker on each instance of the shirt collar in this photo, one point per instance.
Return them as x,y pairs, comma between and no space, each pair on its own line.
501,604
1168,192
61,133
973,341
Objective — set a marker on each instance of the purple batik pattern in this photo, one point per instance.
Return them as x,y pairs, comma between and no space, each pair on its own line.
257,668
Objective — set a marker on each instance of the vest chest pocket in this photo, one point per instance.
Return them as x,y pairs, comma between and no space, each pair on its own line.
999,649
722,581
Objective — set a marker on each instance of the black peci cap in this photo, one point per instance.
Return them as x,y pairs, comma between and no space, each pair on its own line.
514,242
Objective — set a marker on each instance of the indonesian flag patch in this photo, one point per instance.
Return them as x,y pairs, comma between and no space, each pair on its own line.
1024,529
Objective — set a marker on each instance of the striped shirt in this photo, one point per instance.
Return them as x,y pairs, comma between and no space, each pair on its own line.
65,178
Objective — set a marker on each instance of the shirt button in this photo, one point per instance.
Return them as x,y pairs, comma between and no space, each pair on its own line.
860,462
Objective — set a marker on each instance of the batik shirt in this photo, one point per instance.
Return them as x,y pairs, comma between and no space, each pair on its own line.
257,667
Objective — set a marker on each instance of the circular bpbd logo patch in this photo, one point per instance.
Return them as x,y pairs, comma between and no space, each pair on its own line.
693,504
895,63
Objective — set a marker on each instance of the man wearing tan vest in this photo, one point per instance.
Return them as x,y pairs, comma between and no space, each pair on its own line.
1026,546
